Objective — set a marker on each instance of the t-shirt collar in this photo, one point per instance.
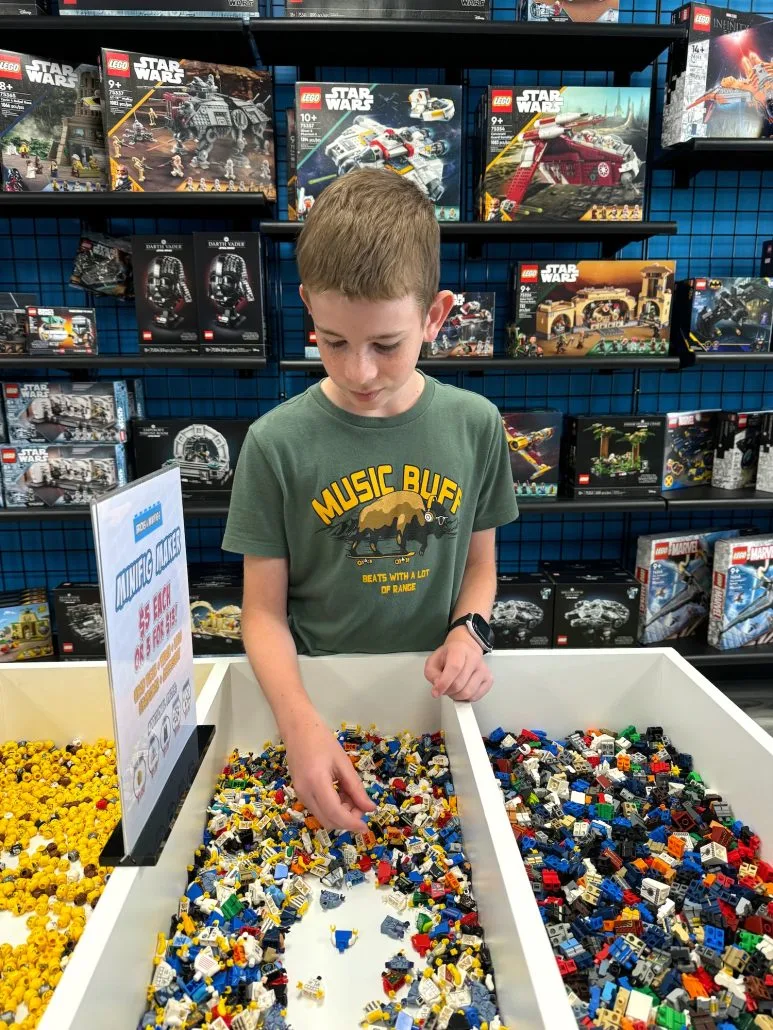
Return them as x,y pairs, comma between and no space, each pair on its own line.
377,422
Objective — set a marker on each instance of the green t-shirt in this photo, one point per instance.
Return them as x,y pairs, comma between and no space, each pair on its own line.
374,514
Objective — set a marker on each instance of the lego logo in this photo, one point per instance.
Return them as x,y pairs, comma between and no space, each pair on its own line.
583,479
8,456
10,66
67,648
742,421
673,423
146,334
740,555
11,390
661,551
117,64
311,98
501,100
719,580
208,334
702,19
529,273
562,641
701,284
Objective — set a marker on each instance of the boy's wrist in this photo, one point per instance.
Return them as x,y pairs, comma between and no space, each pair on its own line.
460,634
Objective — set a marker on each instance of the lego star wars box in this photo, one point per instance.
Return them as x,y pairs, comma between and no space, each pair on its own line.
741,613
711,75
51,136
79,623
13,330
688,457
592,309
594,608
569,10
310,342
20,10
292,166
65,331
162,8
731,315
103,265
415,131
574,153
675,575
25,625
766,259
216,608
164,294
60,475
189,126
66,412
402,10
206,451
522,615
738,450
615,455
468,332
534,441
765,456
229,291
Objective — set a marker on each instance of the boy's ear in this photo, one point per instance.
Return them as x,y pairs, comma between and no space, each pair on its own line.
437,314
304,298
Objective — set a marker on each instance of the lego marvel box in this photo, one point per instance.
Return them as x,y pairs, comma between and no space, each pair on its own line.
66,412
216,608
574,153
189,126
615,455
468,332
738,450
25,625
727,315
79,624
229,292
592,309
51,135
594,608
522,615
569,10
675,575
534,441
60,475
206,451
162,8
741,613
415,131
66,331
164,294
434,10
688,457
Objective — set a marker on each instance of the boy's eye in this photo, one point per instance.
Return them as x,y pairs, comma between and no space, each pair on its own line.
334,344
384,348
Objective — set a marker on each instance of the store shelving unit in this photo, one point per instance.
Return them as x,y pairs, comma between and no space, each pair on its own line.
529,365
243,206
131,359
698,155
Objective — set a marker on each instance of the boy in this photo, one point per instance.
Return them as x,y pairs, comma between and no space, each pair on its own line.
376,469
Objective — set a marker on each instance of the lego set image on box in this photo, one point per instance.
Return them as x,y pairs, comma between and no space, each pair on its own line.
729,315
522,615
569,10
691,440
534,441
594,607
592,308
216,608
436,10
66,412
164,277
79,623
738,448
25,626
229,293
61,331
468,332
615,455
742,595
51,476
415,131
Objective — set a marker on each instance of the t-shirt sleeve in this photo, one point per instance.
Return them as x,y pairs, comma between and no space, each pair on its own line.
497,505
256,513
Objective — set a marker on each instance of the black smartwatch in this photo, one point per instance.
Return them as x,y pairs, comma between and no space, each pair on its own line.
478,628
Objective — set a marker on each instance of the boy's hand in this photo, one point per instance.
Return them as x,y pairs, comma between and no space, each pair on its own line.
457,668
316,761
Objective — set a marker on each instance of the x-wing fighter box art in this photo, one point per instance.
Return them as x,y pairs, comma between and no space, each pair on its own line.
468,332
522,615
414,131
675,575
732,315
534,441
187,126
573,154
51,134
741,613
592,309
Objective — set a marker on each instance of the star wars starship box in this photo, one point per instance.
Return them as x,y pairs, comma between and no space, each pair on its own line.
164,294
415,131
206,451
592,309
691,439
732,315
216,608
60,475
594,607
63,331
434,10
614,455
66,412
765,457
25,625
79,624
187,125
569,10
292,166
468,332
695,67
738,450
534,441
675,575
574,153
163,8
741,611
51,136
522,615
229,291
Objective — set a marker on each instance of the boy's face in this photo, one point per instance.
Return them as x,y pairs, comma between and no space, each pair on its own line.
370,347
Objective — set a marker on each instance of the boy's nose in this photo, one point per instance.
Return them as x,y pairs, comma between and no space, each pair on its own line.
361,370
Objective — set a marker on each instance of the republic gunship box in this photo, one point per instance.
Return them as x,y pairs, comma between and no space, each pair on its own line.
522,615
216,608
25,625
51,135
688,457
162,8
738,450
732,315
741,611
534,441
573,153
414,131
79,623
403,10
468,332
164,294
66,412
675,575
229,291
65,331
60,475
594,608
189,126
592,309
569,10
615,455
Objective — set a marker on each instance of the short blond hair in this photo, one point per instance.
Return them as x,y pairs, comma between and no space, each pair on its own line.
372,235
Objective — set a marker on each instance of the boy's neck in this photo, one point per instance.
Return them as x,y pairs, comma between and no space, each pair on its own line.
395,403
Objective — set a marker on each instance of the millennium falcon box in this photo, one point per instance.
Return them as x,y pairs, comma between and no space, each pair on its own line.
728,315
738,450
79,623
60,475
522,615
572,153
165,294
63,331
414,131
66,412
741,613
187,126
468,332
594,607
614,455
534,441
229,291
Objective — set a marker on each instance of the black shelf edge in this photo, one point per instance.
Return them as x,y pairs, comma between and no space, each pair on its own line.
715,358
589,505
498,44
709,497
246,361
699,654
81,205
528,365
698,155
191,511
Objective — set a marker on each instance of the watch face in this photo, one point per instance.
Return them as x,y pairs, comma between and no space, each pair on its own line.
483,629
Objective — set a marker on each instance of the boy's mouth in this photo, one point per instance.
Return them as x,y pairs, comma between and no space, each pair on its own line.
369,396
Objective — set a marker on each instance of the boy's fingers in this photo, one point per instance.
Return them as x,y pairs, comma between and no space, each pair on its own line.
433,667
453,666
331,812
350,785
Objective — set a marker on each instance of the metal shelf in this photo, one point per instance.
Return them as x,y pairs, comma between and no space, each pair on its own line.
709,497
244,206
699,654
537,365
715,358
585,505
698,155
191,511
133,360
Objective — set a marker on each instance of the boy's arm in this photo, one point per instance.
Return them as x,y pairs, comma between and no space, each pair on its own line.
315,759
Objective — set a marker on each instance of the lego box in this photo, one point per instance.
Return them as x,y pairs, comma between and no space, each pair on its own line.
675,575
415,131
103,265
66,412
594,608
13,330
79,623
738,450
688,457
615,455
25,625
468,332
187,125
51,136
522,615
66,331
534,441
164,294
742,593
592,309
216,608
60,475
162,8
727,315
570,10
435,10
574,153
765,456
229,291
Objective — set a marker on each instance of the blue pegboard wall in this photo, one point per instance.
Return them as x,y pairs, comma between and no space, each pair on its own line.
722,219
